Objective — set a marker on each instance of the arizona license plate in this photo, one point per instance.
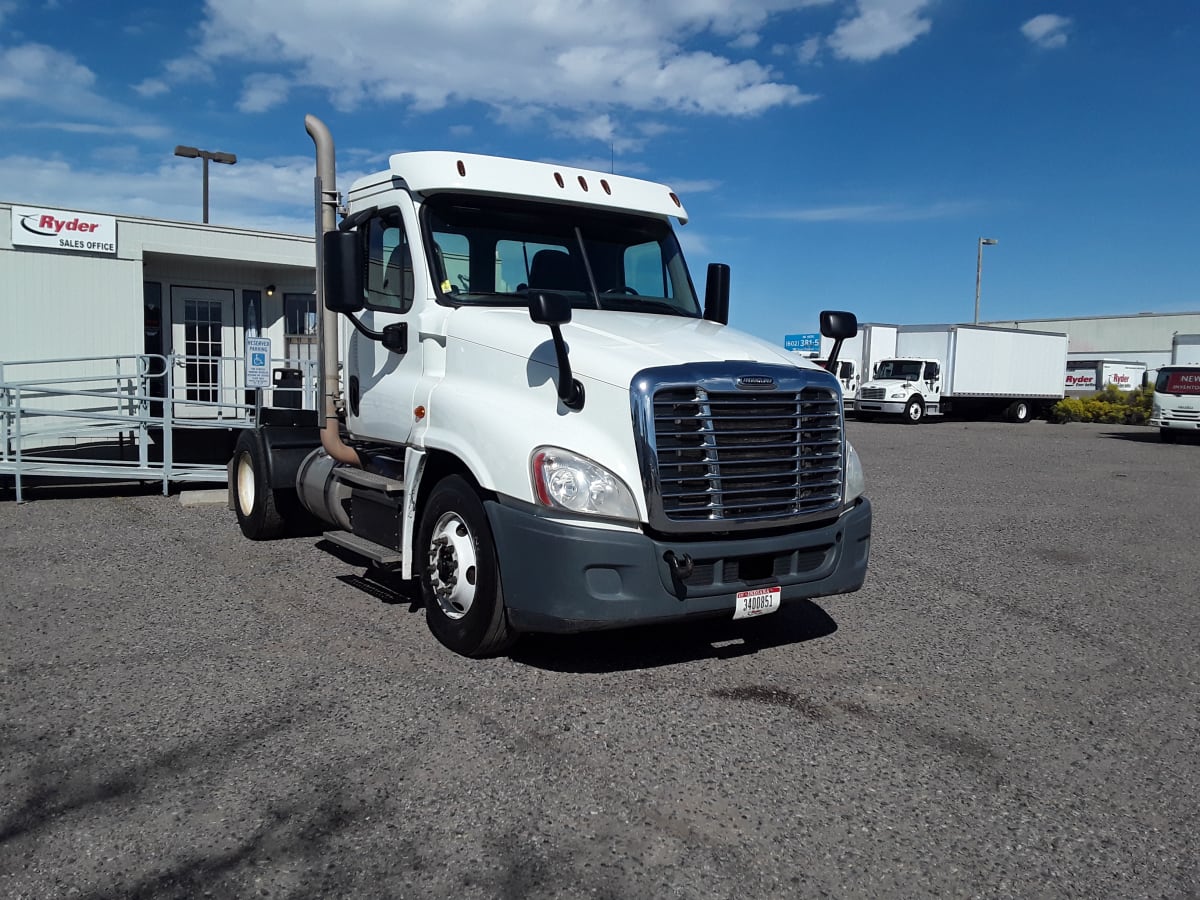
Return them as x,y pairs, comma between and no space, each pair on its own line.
757,602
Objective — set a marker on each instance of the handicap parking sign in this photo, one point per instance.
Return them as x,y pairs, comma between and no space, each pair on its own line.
258,362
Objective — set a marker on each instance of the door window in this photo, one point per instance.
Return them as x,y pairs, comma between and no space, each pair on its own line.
389,264
202,326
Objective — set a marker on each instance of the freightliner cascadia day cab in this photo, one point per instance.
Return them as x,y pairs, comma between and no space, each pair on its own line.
537,420
966,370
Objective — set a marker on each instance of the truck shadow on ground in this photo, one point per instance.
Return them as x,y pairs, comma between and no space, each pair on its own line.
652,646
1150,436
643,647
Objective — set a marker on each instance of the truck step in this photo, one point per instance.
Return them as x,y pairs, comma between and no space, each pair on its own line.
368,480
377,553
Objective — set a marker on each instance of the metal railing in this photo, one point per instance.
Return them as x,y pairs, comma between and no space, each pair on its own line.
119,417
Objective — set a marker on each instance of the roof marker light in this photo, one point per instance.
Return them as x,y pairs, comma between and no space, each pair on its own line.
604,184
462,168
675,200
583,183
558,179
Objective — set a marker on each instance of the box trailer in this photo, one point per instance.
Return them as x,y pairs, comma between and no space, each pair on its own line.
1087,376
966,370
1185,350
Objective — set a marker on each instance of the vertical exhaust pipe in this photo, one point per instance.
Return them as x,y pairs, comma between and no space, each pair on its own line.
325,211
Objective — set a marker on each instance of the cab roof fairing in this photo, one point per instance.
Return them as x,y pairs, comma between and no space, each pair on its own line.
434,171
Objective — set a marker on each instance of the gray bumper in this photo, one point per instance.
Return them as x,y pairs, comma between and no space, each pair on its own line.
563,578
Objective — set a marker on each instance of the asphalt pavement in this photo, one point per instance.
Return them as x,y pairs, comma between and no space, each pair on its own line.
1009,708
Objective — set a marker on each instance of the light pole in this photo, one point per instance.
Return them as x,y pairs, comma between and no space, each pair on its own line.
216,156
988,241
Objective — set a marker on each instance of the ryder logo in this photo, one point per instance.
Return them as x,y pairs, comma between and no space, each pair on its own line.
49,226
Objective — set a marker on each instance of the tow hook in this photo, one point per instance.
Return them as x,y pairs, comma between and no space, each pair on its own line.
681,566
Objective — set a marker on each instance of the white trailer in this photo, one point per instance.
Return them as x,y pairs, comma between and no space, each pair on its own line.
1087,376
966,370
533,416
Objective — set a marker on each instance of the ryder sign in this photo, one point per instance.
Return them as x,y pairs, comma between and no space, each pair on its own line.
58,229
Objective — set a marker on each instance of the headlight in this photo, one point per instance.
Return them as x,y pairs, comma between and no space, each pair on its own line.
898,395
856,481
565,480
1156,413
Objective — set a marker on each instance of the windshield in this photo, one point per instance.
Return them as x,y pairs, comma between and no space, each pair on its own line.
494,251
904,369
1178,381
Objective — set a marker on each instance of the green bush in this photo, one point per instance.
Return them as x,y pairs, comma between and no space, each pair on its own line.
1110,406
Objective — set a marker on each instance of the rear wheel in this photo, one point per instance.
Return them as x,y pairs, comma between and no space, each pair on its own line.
1019,411
459,574
914,410
253,498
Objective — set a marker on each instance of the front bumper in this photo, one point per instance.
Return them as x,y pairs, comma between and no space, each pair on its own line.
561,577
1180,424
884,407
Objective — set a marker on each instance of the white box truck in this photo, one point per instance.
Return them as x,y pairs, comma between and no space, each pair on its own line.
533,414
858,356
966,370
1176,409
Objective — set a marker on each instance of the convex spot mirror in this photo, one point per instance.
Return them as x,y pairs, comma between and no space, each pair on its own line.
549,309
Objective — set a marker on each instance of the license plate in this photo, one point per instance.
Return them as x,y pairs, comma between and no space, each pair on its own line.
758,602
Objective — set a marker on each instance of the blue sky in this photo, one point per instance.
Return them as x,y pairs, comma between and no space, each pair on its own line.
836,153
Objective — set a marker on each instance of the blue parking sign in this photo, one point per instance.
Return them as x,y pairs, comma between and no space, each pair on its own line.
805,343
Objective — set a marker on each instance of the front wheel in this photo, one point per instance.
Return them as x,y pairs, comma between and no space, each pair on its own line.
1166,435
459,574
253,498
914,410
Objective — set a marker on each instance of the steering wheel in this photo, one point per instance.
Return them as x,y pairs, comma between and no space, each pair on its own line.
621,289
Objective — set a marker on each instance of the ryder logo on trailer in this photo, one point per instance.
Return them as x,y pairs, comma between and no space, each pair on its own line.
58,229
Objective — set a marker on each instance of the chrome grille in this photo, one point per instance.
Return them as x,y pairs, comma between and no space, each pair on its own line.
744,458
871,393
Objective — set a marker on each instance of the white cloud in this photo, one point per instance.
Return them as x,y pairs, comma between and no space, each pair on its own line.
748,40
49,81
262,92
1047,30
866,212
151,87
809,51
879,27
547,55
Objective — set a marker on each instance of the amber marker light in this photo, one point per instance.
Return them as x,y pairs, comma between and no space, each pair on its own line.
419,413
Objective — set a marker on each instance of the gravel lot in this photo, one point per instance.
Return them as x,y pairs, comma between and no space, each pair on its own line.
1009,708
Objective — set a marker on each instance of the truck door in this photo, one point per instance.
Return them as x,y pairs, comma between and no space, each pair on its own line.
380,383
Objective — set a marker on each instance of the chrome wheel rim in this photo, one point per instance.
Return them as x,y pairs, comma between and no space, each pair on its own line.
452,565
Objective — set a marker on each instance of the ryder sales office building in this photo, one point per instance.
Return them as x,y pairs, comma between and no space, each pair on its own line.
78,284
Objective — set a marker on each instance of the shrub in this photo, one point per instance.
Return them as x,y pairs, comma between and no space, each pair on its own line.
1110,406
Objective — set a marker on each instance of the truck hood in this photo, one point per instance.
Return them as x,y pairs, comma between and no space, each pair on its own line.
613,346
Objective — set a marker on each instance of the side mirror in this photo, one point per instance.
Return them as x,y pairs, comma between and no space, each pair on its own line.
716,294
342,262
549,309
555,310
838,325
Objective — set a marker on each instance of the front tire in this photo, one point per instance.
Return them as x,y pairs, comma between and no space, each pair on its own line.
253,498
459,574
914,410
1166,435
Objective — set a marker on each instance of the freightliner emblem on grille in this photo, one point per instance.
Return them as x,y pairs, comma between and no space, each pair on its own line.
756,383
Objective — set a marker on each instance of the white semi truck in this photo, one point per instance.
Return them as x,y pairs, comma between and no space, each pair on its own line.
966,370
532,414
